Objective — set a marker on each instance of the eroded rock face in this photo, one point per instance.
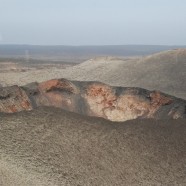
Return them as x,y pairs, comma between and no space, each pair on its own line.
121,104
93,99
14,99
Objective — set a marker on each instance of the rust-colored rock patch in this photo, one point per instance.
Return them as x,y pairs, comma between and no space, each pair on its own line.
14,99
93,99
57,84
157,99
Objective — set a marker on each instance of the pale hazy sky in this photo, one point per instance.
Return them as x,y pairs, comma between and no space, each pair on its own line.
93,22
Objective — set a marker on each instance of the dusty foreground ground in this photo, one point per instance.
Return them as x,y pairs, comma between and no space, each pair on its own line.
48,146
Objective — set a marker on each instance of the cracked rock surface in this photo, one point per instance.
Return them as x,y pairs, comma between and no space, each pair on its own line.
93,99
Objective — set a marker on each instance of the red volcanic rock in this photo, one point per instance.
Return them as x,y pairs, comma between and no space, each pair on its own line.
157,99
57,93
56,84
100,95
132,103
93,99
14,99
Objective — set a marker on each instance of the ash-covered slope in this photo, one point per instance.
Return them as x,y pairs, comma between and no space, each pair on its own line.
48,146
165,71
93,99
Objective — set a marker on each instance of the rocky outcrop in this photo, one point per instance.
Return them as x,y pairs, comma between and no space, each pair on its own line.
93,99
14,99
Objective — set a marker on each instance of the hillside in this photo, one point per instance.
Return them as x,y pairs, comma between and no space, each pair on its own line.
49,146
165,71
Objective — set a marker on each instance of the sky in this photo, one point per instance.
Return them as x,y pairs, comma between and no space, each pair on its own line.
93,22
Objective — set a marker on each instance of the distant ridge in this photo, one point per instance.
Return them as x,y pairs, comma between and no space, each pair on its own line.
79,53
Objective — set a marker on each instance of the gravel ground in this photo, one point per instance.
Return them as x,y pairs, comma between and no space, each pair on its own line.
49,146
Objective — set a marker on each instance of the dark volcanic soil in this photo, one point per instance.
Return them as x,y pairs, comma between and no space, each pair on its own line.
48,146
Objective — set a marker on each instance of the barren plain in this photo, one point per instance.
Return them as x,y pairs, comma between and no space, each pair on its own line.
48,146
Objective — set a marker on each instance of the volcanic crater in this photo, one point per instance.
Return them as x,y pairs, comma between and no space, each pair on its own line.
93,99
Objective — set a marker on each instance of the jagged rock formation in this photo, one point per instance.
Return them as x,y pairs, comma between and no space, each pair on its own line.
93,99
14,99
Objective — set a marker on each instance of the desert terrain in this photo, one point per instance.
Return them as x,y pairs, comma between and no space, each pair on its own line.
48,146
164,71
62,119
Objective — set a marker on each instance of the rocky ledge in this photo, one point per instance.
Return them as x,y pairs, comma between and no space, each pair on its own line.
93,99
